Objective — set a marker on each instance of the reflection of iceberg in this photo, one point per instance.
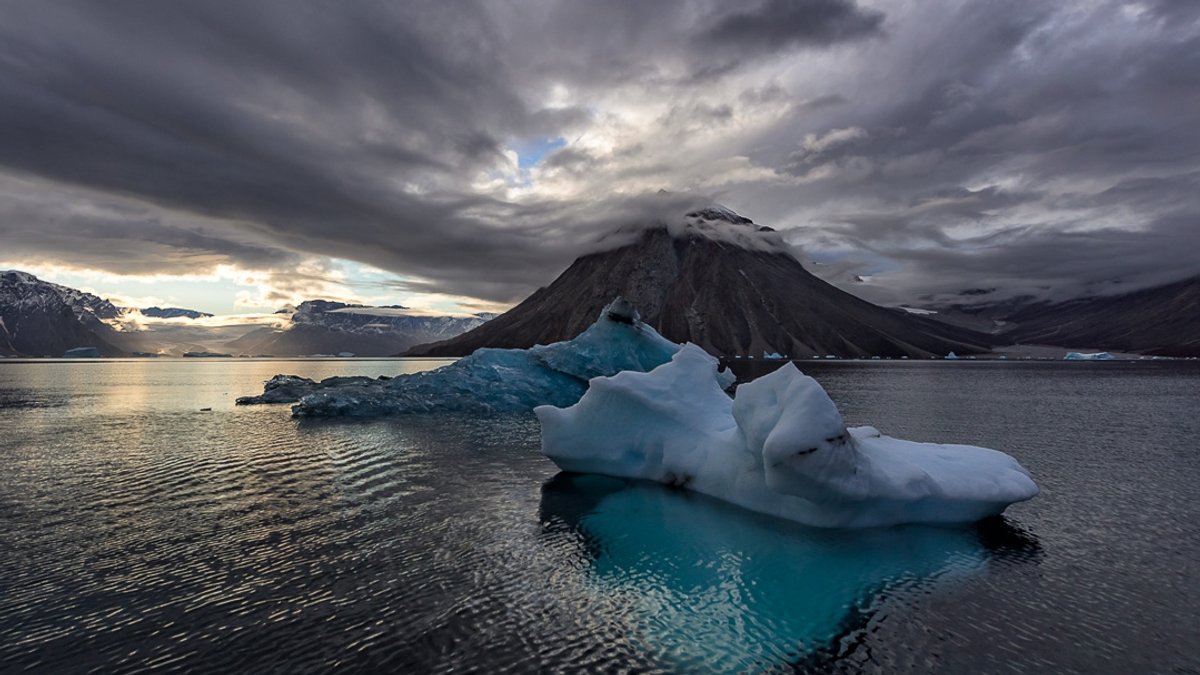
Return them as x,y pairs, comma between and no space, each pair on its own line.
490,380
780,447
710,588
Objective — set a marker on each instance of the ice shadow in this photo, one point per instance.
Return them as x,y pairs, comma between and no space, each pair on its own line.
708,586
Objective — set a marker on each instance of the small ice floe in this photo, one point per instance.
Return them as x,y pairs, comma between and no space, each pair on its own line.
1095,356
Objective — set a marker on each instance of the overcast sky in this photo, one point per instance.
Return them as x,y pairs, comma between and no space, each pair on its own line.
460,154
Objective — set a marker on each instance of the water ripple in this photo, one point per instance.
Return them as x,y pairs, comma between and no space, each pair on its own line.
154,536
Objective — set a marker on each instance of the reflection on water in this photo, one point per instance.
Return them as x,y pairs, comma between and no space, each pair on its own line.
715,587
138,532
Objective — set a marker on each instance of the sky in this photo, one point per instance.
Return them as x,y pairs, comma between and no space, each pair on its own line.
236,157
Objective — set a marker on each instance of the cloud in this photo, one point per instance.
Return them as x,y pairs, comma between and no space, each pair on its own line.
1044,263
779,24
144,138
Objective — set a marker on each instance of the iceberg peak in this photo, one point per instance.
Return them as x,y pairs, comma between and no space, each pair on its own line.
621,311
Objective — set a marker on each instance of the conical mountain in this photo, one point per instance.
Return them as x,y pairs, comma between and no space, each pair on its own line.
724,283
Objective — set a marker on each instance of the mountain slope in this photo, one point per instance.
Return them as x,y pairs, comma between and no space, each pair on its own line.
721,286
38,318
1164,320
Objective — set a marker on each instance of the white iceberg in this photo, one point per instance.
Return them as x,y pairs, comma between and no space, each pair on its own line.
779,447
773,355
489,380
1097,356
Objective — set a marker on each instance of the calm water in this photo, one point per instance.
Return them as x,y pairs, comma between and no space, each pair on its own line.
138,531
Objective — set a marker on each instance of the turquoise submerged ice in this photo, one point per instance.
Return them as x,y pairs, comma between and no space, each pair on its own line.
780,447
499,380
707,587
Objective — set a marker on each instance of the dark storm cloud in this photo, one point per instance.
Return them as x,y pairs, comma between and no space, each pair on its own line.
1058,265
1067,137
948,140
777,24
627,41
344,129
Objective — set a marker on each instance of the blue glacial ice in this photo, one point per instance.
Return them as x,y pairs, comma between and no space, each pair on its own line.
779,447
708,587
489,380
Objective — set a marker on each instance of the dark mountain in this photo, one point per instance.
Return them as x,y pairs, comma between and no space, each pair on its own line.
724,283
173,313
324,327
38,318
1164,320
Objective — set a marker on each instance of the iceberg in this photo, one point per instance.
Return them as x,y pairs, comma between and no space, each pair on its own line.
778,447
1097,356
82,353
489,380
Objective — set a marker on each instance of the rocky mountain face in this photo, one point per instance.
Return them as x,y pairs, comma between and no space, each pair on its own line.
38,318
724,283
1163,320
325,327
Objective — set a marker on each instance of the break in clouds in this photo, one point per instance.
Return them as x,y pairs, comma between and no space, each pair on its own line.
476,148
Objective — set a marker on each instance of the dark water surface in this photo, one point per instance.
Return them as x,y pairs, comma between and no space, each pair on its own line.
138,532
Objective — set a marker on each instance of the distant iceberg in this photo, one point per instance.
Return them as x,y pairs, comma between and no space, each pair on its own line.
489,380
1097,356
82,353
779,447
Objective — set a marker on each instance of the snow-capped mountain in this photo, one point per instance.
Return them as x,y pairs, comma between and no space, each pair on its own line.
326,327
38,318
719,280
173,313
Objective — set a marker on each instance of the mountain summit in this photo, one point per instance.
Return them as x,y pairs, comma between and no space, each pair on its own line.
719,280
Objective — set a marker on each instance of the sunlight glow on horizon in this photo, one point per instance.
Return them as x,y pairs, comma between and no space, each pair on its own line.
252,296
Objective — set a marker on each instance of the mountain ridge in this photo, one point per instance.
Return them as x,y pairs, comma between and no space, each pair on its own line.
40,318
329,327
1161,320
